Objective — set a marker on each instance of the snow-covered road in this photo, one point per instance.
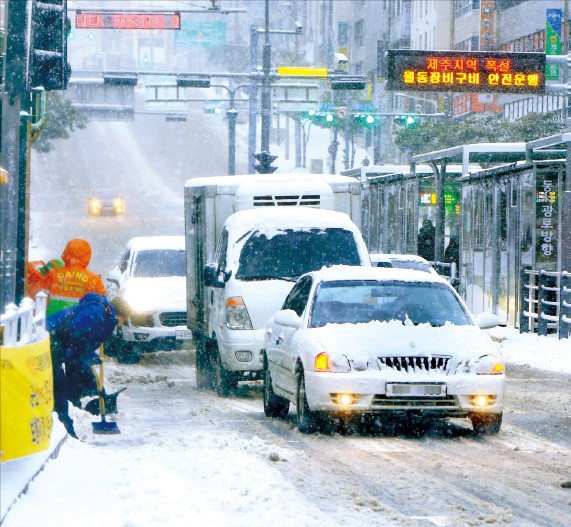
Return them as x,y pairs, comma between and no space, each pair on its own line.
187,457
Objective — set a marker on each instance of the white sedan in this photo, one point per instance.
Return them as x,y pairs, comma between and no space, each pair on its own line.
356,340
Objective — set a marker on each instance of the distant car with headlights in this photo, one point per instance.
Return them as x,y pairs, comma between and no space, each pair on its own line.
151,280
363,341
105,202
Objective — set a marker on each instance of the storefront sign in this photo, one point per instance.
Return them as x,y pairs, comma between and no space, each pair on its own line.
487,30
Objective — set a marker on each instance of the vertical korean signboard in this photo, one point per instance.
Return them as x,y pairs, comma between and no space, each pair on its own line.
553,41
487,30
546,217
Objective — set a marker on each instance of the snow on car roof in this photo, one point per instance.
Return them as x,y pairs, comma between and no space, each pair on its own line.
275,218
156,242
380,257
347,272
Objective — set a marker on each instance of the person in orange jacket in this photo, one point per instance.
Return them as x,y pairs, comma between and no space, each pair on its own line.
37,271
66,285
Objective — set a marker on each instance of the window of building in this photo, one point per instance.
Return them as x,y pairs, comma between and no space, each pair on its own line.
502,5
359,33
469,44
465,7
533,42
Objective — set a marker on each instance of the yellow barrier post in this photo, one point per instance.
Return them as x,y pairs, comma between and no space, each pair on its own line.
26,399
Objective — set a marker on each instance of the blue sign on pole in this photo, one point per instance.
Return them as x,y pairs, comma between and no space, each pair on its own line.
200,34
553,40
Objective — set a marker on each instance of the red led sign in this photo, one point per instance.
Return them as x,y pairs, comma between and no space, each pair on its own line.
466,71
115,20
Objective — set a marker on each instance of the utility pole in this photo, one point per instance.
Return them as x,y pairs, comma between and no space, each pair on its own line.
266,100
253,104
12,94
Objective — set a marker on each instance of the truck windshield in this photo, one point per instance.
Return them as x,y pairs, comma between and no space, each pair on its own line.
291,253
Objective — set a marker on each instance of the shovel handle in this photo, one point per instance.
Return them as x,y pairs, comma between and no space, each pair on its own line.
99,381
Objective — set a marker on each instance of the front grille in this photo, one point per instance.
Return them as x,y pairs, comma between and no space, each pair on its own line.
171,320
382,401
415,364
308,200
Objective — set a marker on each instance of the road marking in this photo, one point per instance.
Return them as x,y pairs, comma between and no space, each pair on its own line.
439,521
246,408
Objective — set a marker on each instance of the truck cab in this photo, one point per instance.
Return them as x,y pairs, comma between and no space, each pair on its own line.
248,238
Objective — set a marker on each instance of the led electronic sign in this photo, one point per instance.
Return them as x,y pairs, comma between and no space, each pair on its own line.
115,20
466,71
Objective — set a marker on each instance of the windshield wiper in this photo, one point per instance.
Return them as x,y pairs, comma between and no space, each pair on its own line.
256,278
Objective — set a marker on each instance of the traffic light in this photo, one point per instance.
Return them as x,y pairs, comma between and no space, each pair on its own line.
48,45
265,160
366,120
322,119
406,120
348,82
193,82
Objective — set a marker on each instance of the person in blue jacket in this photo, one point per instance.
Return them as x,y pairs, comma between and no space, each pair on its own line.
76,333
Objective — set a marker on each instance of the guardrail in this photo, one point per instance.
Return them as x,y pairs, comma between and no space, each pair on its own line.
545,303
19,325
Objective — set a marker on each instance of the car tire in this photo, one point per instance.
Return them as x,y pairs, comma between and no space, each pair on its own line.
204,377
223,380
128,354
274,405
308,421
486,424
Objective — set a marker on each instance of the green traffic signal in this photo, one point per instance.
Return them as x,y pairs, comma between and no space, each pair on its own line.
366,120
406,121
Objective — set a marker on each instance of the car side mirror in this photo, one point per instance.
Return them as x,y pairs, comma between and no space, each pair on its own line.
487,320
114,277
287,317
212,277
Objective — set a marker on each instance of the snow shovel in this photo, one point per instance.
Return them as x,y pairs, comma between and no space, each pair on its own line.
110,401
103,426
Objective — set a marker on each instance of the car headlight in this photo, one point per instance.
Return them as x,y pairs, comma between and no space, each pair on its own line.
332,363
138,299
489,365
237,316
118,205
94,206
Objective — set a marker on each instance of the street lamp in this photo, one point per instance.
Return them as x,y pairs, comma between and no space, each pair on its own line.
266,99
232,114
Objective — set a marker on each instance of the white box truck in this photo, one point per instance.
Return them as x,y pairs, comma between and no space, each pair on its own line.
248,238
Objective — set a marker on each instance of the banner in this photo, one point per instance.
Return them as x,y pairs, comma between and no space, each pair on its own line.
553,41
26,399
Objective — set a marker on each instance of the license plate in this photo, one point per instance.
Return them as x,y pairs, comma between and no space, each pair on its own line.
183,334
415,390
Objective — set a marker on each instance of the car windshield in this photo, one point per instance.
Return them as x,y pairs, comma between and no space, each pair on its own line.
291,253
411,264
361,301
155,263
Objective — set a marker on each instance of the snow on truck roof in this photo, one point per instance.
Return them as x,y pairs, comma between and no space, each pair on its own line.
275,218
233,182
142,243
